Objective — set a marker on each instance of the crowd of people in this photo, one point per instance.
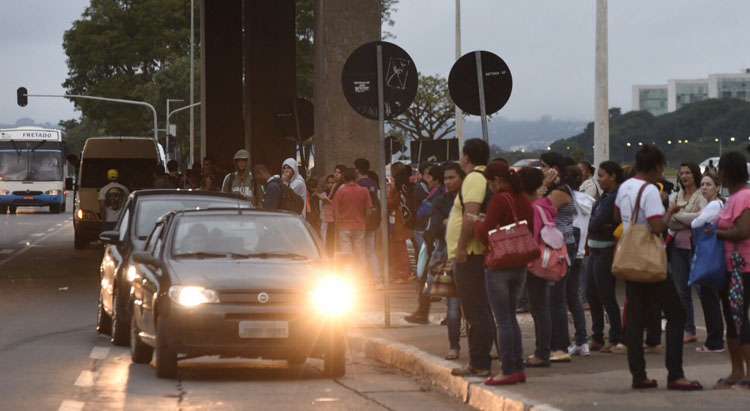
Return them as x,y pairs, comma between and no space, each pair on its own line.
577,214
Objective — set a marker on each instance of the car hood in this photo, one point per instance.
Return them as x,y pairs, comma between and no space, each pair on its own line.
243,274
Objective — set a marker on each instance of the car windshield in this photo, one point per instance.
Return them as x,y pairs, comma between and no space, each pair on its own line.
149,210
134,173
243,237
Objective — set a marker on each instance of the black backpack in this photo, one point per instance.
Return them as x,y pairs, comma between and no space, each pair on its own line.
290,201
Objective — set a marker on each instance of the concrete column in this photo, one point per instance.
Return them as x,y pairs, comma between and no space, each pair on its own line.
601,121
221,80
341,135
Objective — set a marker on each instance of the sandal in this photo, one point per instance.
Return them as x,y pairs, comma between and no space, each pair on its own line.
685,386
725,383
536,362
704,349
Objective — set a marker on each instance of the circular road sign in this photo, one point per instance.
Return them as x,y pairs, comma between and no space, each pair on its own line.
359,80
464,87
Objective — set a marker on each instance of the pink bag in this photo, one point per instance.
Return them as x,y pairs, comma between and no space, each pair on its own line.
553,263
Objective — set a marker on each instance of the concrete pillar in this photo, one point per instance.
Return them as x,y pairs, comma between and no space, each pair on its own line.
601,121
221,80
341,135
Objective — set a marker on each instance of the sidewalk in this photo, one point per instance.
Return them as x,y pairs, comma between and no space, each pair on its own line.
601,381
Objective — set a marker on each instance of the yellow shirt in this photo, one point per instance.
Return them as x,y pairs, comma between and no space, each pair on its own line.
473,190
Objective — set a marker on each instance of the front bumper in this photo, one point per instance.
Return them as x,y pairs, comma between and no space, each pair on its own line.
31,200
213,329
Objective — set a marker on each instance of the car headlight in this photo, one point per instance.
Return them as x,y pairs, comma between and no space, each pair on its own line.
334,296
53,192
4,192
82,214
190,296
131,274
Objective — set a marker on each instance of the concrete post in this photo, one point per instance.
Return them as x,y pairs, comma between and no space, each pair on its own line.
341,135
601,121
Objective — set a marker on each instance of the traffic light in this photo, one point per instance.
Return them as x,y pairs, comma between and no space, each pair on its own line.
22,97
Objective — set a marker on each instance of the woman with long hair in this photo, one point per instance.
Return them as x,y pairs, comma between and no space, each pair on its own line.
682,211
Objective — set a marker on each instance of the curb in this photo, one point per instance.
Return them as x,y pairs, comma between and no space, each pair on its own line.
416,362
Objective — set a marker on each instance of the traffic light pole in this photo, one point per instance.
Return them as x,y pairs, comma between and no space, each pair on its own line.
177,110
111,100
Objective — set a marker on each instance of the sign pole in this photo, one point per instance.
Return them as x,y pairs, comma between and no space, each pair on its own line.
482,106
383,191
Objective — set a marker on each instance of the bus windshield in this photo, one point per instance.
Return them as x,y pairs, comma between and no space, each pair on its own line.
27,165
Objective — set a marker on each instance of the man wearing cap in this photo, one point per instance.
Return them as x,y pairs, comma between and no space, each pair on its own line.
111,199
241,180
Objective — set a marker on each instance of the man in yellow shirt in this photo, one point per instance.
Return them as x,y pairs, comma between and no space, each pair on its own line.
468,255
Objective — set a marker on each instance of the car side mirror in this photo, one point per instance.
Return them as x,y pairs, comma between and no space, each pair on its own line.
142,257
110,237
69,185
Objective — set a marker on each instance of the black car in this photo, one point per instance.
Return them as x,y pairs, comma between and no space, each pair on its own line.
141,211
237,283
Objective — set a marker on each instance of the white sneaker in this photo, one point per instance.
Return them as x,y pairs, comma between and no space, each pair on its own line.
582,350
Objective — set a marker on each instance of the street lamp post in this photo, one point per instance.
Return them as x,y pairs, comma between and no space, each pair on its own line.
601,99
459,113
192,82
177,110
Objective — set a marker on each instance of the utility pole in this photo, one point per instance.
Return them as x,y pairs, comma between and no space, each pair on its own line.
459,113
601,99
177,110
192,83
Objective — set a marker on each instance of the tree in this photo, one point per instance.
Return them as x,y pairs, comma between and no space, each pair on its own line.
432,115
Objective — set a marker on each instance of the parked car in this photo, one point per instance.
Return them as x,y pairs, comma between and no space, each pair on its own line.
141,211
237,283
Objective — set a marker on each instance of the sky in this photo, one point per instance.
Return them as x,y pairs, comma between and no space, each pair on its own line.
548,44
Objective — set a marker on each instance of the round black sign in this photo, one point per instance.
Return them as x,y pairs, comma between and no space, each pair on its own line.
359,80
463,84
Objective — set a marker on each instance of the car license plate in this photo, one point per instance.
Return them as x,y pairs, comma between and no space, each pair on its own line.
28,197
264,329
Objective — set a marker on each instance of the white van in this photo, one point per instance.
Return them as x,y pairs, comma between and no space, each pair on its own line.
135,158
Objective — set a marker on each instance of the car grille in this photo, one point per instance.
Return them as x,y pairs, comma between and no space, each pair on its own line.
251,297
27,193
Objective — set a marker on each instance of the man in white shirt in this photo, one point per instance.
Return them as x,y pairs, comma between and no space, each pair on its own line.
112,199
648,299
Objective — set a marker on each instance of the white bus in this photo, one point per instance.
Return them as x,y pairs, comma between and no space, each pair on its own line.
32,169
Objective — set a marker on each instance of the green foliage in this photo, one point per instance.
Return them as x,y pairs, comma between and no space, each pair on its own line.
432,115
699,123
76,133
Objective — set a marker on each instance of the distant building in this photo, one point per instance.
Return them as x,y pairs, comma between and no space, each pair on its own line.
663,98
652,98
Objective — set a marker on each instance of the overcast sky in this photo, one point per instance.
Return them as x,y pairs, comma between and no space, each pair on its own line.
548,44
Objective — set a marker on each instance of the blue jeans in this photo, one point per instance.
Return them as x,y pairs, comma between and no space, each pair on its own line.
503,289
454,322
471,288
602,296
679,267
538,291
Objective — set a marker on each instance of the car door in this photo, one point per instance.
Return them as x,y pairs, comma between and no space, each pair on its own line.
112,263
146,284
153,279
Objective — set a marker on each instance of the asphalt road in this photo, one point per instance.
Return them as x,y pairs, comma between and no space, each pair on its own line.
52,359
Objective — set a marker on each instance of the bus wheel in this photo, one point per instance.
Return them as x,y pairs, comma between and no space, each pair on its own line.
12,209
3,210
54,208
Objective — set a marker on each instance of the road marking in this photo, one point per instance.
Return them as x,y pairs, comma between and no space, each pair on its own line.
85,379
99,353
7,251
24,242
28,246
70,405
51,230
37,234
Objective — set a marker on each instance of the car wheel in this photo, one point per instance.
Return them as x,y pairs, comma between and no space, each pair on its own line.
120,319
79,243
334,362
103,321
166,358
140,352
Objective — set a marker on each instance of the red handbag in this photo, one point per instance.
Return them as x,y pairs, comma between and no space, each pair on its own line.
511,246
